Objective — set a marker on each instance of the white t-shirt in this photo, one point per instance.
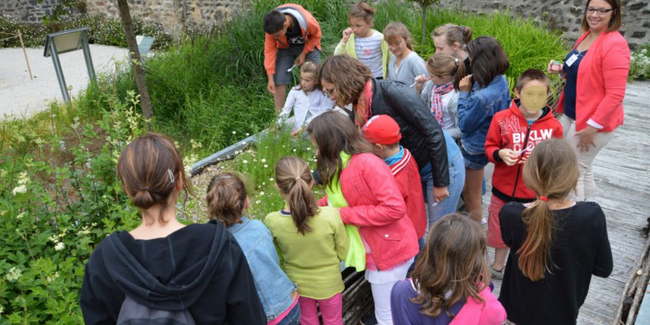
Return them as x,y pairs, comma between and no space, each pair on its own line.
305,107
368,50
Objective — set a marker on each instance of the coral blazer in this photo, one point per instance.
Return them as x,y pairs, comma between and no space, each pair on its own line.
602,78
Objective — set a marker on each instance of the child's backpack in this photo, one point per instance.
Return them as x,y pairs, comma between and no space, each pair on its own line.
135,313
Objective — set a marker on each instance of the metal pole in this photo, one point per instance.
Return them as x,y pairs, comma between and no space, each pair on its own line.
87,56
59,72
20,37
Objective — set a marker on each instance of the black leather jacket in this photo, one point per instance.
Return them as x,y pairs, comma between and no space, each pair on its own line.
421,133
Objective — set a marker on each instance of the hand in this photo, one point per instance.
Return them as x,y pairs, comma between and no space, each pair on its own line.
586,138
508,156
301,59
346,34
270,86
440,193
296,132
465,84
421,79
549,69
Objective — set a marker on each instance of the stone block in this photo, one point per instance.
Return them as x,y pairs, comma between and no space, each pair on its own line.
638,34
637,6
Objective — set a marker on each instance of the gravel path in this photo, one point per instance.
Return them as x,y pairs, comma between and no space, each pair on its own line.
22,97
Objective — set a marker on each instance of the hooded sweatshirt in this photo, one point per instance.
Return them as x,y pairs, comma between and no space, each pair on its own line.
199,267
510,130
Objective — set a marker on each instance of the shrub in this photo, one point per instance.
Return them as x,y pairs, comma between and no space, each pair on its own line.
640,63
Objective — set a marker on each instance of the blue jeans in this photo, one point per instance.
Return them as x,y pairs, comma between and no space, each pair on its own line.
293,318
440,209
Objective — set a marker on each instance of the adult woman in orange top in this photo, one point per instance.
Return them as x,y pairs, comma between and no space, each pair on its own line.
592,101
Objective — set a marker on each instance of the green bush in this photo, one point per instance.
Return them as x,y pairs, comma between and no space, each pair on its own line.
640,63
102,30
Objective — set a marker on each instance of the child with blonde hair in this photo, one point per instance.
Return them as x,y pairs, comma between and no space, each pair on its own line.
404,65
312,241
306,100
227,203
362,42
556,243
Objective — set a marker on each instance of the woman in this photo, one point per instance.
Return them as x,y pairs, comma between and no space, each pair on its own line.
347,81
453,39
163,264
596,71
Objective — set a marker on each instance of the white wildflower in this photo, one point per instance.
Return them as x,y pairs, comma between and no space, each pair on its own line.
271,179
263,160
59,246
262,193
266,166
234,132
19,189
14,274
247,134
21,215
53,277
245,161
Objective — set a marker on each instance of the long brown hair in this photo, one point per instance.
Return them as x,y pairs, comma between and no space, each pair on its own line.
488,59
349,77
150,167
552,172
453,260
293,177
615,22
333,132
443,64
226,198
396,30
362,10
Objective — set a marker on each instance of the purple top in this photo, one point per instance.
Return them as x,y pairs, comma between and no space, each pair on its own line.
406,312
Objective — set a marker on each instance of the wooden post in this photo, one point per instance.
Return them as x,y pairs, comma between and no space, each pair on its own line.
20,37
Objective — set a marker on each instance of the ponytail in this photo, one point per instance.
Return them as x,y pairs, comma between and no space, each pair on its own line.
443,64
293,177
226,198
534,253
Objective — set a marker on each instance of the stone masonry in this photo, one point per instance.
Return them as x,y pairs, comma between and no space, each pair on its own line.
29,11
565,15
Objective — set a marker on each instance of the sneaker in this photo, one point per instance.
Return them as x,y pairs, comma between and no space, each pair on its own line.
496,274
368,319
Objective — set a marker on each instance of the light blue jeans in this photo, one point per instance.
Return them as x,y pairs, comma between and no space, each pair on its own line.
440,209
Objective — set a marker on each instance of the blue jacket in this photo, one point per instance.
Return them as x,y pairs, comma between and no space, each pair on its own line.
273,286
476,109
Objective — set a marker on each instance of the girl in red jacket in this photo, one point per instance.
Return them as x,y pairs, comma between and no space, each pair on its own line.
362,185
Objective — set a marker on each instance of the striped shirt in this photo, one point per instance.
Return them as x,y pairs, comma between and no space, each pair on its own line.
368,51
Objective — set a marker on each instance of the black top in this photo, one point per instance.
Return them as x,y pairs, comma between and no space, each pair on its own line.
199,267
421,133
294,36
580,248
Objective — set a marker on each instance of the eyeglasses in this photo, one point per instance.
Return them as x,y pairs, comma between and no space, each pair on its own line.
328,92
600,11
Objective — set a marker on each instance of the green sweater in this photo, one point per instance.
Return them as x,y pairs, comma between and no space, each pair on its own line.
312,261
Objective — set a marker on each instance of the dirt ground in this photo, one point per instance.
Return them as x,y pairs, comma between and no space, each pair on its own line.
22,97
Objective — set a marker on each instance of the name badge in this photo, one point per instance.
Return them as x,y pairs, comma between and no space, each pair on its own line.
571,60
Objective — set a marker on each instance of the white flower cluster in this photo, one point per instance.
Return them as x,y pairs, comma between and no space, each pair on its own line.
23,180
14,274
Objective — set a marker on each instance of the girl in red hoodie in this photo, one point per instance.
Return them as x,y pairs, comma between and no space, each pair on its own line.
361,185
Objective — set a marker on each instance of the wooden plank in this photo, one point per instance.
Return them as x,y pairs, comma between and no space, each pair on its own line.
622,172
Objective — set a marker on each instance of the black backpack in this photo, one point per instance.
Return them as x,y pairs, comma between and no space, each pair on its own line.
135,313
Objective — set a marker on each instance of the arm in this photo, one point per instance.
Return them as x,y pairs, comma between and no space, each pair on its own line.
452,108
603,263
388,205
270,48
341,239
493,142
94,311
315,35
322,202
471,111
615,68
340,48
407,104
288,105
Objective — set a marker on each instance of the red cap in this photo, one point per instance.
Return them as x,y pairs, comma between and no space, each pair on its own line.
381,129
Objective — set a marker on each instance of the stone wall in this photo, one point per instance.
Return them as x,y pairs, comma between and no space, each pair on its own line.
29,11
173,14
565,15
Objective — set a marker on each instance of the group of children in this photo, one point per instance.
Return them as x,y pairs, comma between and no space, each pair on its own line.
374,217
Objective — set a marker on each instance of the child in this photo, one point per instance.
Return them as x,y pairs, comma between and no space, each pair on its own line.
312,242
384,135
512,136
165,266
292,36
362,42
449,284
476,106
307,100
404,65
453,39
557,243
227,203
440,93
363,188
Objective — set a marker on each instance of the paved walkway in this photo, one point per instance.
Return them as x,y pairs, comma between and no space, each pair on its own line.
22,97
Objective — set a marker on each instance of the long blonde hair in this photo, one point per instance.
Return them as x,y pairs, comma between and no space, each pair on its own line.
552,173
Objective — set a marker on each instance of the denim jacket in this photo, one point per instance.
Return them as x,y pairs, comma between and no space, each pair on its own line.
273,286
476,109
